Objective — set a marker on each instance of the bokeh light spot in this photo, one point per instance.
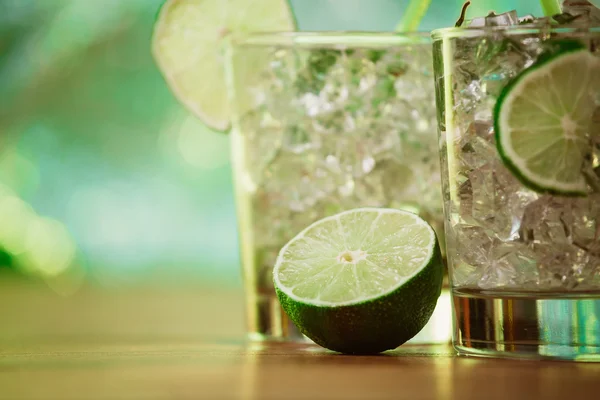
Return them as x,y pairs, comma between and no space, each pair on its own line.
50,249
201,147
16,216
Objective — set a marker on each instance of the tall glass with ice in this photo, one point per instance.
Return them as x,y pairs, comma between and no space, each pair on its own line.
519,124
326,122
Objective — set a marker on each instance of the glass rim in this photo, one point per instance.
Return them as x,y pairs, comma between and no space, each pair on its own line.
340,39
479,31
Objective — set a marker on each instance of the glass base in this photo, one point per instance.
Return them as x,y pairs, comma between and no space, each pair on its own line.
560,326
267,321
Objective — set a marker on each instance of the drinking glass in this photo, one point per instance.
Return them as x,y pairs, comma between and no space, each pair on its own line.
524,264
326,122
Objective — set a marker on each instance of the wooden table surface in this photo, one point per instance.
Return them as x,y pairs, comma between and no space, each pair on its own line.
187,343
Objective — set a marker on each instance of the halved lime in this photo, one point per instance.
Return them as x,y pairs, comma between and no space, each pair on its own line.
362,281
543,120
188,46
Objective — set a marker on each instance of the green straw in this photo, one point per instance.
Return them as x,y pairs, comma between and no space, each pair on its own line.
413,16
551,7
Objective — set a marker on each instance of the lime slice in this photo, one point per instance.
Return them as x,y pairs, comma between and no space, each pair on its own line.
362,281
543,120
189,47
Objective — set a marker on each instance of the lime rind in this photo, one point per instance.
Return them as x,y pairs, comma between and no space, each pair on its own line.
368,324
283,257
550,146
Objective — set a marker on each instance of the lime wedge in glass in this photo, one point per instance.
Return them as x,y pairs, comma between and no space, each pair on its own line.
543,120
362,281
188,45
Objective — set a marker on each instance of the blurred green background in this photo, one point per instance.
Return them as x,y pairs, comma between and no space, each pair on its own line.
104,178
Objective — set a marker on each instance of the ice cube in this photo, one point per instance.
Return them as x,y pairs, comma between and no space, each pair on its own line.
297,182
498,274
563,232
313,73
497,199
493,19
327,122
473,244
489,197
585,230
275,224
584,11
465,203
299,138
562,266
500,58
511,265
477,146
464,275
547,221
262,137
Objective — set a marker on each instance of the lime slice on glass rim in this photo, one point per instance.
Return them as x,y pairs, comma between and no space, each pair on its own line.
188,45
543,119
362,281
